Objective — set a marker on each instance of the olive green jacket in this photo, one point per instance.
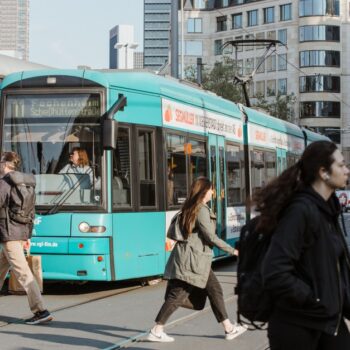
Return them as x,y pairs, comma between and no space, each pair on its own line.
190,260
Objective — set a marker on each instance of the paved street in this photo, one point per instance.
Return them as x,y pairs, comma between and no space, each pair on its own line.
118,315
110,316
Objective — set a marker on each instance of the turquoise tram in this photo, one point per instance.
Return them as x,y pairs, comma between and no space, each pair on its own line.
146,138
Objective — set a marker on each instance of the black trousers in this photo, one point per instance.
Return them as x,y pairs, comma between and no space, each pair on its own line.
286,336
178,292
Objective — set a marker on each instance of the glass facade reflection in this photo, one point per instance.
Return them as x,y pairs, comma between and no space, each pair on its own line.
319,109
323,58
319,32
319,83
318,8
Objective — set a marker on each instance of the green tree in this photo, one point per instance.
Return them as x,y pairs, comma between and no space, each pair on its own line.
281,107
220,80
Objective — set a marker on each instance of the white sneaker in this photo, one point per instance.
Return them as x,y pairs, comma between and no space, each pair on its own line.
161,337
236,331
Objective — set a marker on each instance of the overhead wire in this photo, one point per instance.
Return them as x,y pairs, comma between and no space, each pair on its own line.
292,64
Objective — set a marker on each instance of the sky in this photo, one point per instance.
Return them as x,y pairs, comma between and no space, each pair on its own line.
68,33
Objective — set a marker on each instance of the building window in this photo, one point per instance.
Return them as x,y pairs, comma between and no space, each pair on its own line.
271,35
221,23
271,63
239,67
239,47
193,48
282,86
260,88
319,83
260,64
332,132
194,25
314,58
269,15
227,50
319,33
237,21
199,4
249,37
218,47
271,88
286,12
282,36
252,18
249,66
320,109
318,8
282,61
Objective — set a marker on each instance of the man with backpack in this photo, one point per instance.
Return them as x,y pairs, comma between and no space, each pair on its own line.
17,210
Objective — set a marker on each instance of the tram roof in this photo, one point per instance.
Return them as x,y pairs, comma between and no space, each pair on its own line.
261,118
141,81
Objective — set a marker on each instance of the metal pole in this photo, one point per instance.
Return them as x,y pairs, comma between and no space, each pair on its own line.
199,70
182,41
126,56
174,41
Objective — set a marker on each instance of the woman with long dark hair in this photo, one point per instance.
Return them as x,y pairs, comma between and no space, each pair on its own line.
307,266
189,265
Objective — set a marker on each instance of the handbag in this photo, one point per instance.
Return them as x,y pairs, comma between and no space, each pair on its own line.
34,262
174,231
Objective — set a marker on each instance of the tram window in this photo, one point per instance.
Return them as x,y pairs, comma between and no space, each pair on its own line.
291,160
176,170
121,185
270,162
258,169
198,159
145,142
234,174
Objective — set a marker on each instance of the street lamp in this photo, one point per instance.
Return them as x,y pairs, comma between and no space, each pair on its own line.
126,46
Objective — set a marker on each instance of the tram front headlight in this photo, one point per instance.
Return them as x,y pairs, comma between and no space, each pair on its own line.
84,227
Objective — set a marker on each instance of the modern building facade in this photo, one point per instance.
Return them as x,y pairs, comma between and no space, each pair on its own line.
121,47
314,66
14,28
156,43
138,60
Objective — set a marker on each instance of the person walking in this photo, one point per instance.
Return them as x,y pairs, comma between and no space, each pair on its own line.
189,265
307,266
14,237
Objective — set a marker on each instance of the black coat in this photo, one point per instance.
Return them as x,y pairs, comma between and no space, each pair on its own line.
309,281
10,230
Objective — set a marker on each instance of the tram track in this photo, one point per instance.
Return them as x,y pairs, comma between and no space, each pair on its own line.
84,302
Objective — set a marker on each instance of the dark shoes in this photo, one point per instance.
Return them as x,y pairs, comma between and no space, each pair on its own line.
40,317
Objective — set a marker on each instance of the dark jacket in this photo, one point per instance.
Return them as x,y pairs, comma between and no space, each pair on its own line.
10,230
309,282
190,260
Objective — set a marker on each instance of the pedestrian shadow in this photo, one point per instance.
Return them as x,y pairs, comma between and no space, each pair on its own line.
60,340
8,319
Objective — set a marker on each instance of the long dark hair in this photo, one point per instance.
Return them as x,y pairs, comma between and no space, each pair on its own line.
190,208
271,200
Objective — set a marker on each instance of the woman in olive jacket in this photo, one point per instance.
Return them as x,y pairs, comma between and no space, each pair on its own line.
307,265
189,265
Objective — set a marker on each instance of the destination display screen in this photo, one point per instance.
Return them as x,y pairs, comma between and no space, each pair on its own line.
53,106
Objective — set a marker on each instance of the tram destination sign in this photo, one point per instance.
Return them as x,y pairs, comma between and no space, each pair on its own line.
58,105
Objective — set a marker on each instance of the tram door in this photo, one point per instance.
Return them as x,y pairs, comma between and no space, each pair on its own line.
217,175
281,160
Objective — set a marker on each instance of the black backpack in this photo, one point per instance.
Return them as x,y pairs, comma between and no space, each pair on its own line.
254,304
21,208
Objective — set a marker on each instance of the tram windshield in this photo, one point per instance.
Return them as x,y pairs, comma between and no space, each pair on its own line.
58,139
